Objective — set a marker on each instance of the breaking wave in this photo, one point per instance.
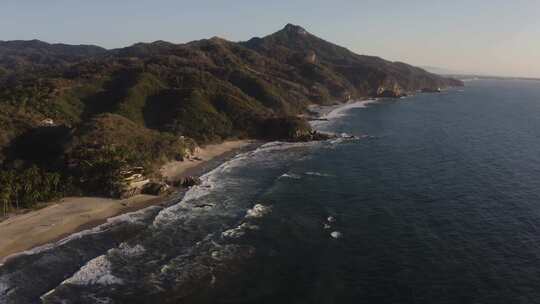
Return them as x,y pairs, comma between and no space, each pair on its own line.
330,114
160,247
97,271
319,174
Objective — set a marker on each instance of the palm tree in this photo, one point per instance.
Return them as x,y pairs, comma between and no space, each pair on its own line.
5,199
54,182
12,186
6,190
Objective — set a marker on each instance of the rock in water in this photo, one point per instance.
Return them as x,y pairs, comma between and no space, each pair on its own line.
336,234
155,188
191,181
331,219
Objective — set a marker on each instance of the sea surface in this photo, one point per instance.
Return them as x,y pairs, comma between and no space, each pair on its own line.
438,201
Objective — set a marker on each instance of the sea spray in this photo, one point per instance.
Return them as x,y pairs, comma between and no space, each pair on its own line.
188,242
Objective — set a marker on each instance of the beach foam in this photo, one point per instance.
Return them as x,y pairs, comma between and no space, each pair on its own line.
342,110
208,212
220,179
96,271
239,231
130,251
319,174
290,175
136,217
258,211
336,234
4,288
332,113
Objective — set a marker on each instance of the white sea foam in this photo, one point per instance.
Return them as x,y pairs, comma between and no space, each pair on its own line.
341,111
336,234
132,217
209,182
337,140
96,271
130,251
218,179
231,252
239,231
258,211
4,287
211,179
319,174
290,175
334,112
45,295
279,146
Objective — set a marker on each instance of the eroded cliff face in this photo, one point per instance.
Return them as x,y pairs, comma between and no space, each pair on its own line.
311,57
391,90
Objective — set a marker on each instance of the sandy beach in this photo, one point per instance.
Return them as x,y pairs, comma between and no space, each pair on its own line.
72,214
176,170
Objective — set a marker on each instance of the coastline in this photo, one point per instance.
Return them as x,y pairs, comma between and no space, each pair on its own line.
70,215
177,170
326,114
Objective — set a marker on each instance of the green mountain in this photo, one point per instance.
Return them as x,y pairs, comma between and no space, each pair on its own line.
27,55
340,72
55,97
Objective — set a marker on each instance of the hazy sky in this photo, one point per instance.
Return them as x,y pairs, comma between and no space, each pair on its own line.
485,36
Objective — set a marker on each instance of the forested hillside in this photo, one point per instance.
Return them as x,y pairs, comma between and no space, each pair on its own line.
67,111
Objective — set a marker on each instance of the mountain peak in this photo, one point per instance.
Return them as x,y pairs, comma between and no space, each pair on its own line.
26,43
296,29
218,39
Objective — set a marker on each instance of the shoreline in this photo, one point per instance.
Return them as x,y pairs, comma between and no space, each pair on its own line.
326,114
70,215
58,220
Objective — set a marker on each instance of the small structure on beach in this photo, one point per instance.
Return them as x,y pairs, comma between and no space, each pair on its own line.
47,122
346,95
155,188
133,180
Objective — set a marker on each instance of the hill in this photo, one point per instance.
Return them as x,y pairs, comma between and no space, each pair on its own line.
27,55
56,96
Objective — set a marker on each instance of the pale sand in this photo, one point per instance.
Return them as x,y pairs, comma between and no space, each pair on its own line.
71,214
177,170
25,231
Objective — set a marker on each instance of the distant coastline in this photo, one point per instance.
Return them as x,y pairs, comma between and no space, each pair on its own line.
469,77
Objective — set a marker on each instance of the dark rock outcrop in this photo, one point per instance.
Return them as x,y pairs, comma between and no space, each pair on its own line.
394,91
190,181
155,188
431,90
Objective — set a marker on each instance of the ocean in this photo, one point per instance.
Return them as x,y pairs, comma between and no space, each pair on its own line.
437,201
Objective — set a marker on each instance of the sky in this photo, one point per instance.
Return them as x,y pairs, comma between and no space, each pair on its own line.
492,37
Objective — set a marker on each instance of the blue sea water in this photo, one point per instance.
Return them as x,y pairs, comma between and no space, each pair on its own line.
440,204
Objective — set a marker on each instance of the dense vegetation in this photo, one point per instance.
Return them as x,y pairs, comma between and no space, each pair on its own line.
82,114
23,188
